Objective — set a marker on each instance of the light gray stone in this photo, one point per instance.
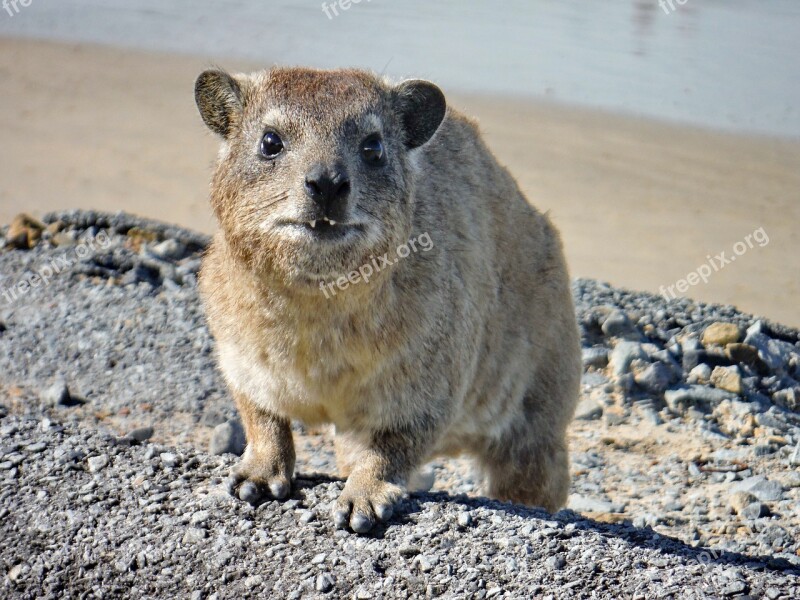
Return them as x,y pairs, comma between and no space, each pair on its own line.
623,355
228,438
680,399
588,409
97,463
56,395
762,488
656,378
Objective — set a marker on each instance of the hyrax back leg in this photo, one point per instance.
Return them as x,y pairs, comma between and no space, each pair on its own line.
528,469
268,461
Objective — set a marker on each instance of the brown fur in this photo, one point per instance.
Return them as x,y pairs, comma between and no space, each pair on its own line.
468,348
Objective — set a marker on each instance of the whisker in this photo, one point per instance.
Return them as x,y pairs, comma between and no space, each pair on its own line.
253,208
370,213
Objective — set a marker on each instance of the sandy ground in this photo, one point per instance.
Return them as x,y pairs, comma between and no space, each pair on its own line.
640,204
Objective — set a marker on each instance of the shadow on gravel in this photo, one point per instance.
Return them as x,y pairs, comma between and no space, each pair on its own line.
641,537
570,524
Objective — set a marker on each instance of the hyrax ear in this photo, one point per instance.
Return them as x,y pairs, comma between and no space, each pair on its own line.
220,101
421,106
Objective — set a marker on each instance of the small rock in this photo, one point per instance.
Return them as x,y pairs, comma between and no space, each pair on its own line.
170,459
760,487
37,447
557,562
678,400
228,438
194,535
721,334
739,500
407,551
656,378
141,273
617,324
734,587
755,510
324,583
170,249
306,517
464,519
614,415
764,449
747,355
594,357
200,517
623,355
424,563
788,399
775,354
253,581
700,374
24,232
727,378
794,459
54,227
56,395
588,409
124,564
64,238
139,236
593,379
15,572
97,463
141,434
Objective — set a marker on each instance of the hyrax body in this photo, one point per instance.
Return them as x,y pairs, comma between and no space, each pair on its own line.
467,345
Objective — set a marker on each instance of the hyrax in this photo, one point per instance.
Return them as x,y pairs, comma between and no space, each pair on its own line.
464,342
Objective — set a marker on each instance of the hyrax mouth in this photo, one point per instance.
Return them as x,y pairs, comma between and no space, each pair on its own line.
328,229
322,224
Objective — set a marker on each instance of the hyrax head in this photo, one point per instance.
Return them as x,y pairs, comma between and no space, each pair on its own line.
315,173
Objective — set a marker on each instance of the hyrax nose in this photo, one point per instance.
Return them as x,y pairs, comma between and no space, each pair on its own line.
328,188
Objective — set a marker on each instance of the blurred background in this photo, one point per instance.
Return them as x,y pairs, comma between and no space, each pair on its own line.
656,133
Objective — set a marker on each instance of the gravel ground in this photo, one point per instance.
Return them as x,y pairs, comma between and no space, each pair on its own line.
90,515
685,451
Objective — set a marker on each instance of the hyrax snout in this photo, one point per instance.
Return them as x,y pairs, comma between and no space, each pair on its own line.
376,268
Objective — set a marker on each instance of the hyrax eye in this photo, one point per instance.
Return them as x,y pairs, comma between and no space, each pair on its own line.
271,145
372,151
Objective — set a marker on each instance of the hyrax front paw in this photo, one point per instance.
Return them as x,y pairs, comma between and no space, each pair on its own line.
254,480
365,501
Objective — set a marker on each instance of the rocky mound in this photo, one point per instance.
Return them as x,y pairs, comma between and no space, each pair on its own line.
687,429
